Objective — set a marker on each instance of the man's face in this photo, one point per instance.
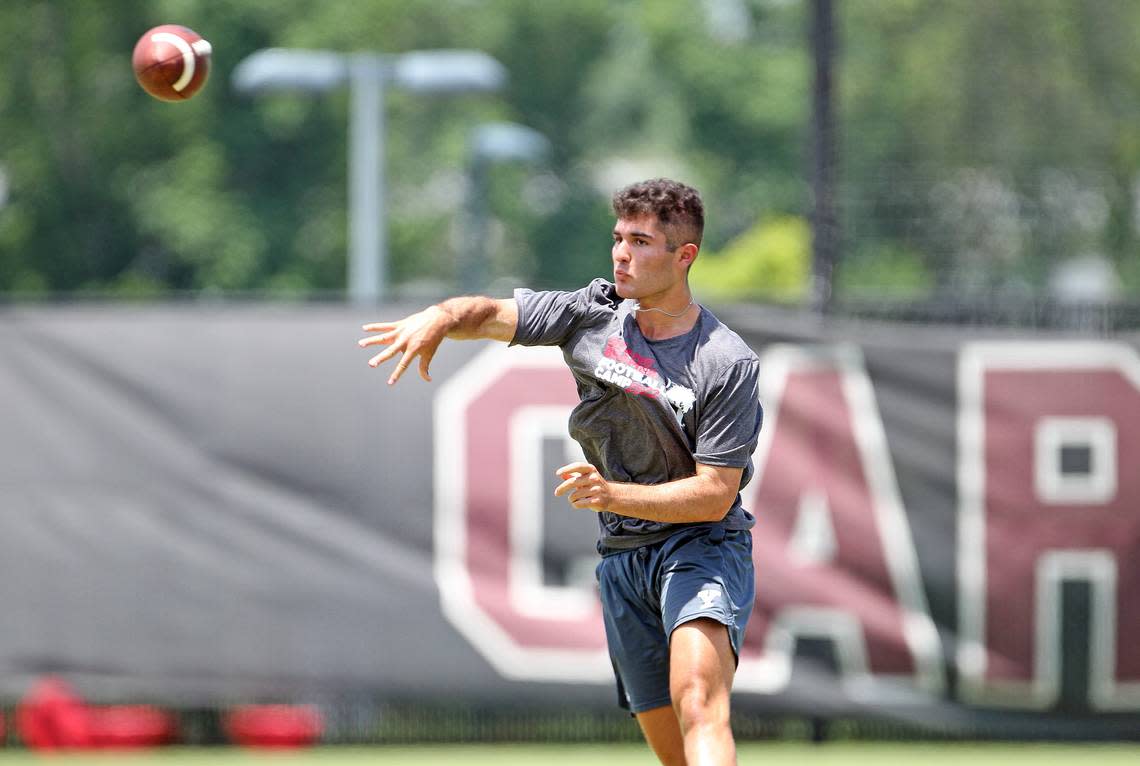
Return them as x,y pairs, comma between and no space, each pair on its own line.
643,263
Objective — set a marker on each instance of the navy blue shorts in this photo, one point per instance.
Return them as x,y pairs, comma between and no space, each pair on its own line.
647,592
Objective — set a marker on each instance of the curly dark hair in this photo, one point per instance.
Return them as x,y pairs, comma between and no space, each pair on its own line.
678,208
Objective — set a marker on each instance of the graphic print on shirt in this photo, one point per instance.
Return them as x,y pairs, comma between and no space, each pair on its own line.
635,375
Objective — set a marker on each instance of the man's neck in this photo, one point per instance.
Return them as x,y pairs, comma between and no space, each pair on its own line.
663,321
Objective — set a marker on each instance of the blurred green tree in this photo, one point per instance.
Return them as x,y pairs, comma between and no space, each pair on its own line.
997,140
986,142
770,261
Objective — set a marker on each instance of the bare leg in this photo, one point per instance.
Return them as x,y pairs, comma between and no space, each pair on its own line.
701,666
663,734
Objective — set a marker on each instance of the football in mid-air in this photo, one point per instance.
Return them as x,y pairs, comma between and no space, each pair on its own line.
171,62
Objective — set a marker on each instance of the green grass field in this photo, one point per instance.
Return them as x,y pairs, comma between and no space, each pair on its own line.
775,754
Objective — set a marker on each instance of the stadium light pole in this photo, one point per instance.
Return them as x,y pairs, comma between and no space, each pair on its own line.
368,76
490,142
824,217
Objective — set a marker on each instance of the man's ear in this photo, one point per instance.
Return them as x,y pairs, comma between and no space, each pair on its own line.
687,253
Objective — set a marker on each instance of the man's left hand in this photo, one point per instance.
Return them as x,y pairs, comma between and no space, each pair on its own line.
584,485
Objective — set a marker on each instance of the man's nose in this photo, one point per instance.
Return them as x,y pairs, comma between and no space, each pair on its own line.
621,251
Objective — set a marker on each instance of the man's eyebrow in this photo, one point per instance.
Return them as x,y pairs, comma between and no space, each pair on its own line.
635,233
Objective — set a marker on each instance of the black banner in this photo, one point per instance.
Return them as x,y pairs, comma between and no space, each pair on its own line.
209,503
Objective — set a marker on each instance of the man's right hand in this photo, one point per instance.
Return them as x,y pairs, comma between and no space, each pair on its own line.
417,335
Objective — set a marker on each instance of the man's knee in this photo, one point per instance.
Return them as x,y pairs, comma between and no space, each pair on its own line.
697,702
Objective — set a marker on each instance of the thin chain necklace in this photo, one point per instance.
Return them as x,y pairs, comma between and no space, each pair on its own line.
637,307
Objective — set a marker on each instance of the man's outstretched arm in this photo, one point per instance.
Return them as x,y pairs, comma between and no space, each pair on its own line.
466,318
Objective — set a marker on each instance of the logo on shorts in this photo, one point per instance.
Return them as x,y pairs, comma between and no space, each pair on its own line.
708,597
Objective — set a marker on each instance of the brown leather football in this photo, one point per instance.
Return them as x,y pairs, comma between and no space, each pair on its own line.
171,62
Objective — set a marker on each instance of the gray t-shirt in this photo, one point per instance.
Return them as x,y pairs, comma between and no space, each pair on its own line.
649,411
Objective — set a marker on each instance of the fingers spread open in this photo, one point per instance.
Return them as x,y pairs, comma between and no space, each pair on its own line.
383,356
402,365
378,326
375,340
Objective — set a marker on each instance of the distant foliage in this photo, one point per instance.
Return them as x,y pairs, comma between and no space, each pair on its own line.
770,261
981,144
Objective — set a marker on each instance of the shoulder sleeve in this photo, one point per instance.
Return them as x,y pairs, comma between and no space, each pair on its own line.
550,317
729,422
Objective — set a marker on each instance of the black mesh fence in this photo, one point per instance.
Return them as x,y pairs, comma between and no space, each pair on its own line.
1089,319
